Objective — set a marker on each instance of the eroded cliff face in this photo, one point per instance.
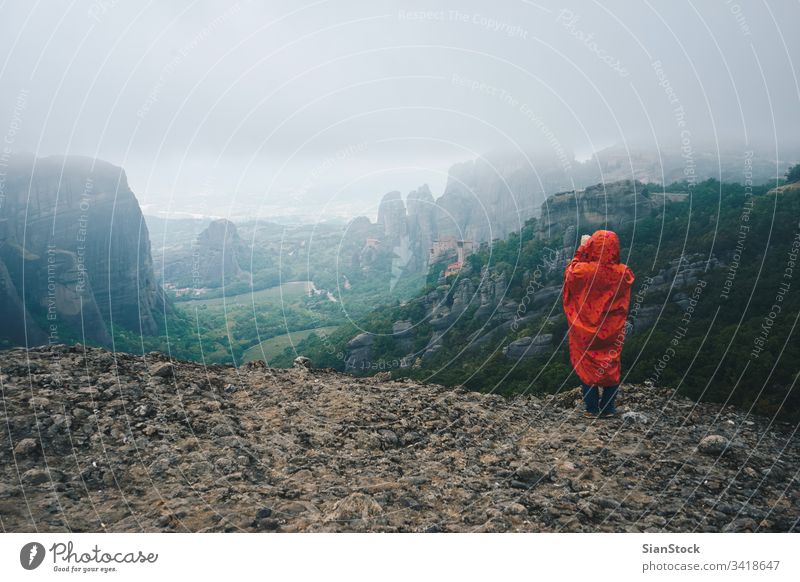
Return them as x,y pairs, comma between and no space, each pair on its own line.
218,252
211,257
402,234
609,206
392,217
496,194
19,328
76,249
484,199
422,227
487,199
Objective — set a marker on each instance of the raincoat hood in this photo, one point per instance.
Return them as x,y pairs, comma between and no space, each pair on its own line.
603,247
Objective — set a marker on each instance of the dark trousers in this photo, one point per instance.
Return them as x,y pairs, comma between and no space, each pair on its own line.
595,403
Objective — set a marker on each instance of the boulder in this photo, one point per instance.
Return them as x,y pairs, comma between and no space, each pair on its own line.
26,447
356,506
162,370
527,347
632,417
713,444
402,328
302,362
403,333
38,476
441,318
532,474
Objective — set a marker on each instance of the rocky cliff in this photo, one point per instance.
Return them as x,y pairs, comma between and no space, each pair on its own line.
483,200
75,252
96,441
609,206
486,199
218,251
19,327
216,257
422,226
392,217
494,195
401,236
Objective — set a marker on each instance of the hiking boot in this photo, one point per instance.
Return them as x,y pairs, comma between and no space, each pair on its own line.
587,414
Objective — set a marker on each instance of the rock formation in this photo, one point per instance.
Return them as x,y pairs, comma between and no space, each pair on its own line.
19,327
492,196
603,206
482,201
76,252
216,257
392,220
402,235
527,347
392,217
422,229
218,250
95,441
486,199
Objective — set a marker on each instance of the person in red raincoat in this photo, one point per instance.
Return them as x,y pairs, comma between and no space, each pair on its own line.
596,295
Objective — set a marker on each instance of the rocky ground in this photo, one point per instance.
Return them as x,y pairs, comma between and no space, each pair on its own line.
93,441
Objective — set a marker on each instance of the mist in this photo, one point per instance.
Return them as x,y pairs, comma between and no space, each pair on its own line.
319,108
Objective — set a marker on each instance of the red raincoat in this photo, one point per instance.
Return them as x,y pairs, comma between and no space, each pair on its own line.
596,295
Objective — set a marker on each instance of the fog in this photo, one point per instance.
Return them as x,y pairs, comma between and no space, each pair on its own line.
278,108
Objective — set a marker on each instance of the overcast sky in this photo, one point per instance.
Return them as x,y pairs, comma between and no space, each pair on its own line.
282,107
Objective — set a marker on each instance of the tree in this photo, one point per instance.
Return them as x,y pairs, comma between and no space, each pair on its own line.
793,173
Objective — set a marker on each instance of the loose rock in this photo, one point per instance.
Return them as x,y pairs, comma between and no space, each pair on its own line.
632,417
26,447
354,507
302,362
162,370
713,444
328,452
532,474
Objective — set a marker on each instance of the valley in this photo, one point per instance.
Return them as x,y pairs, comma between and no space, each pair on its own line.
270,349
407,297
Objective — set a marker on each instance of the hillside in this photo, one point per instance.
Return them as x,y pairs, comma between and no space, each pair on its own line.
711,262
96,441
